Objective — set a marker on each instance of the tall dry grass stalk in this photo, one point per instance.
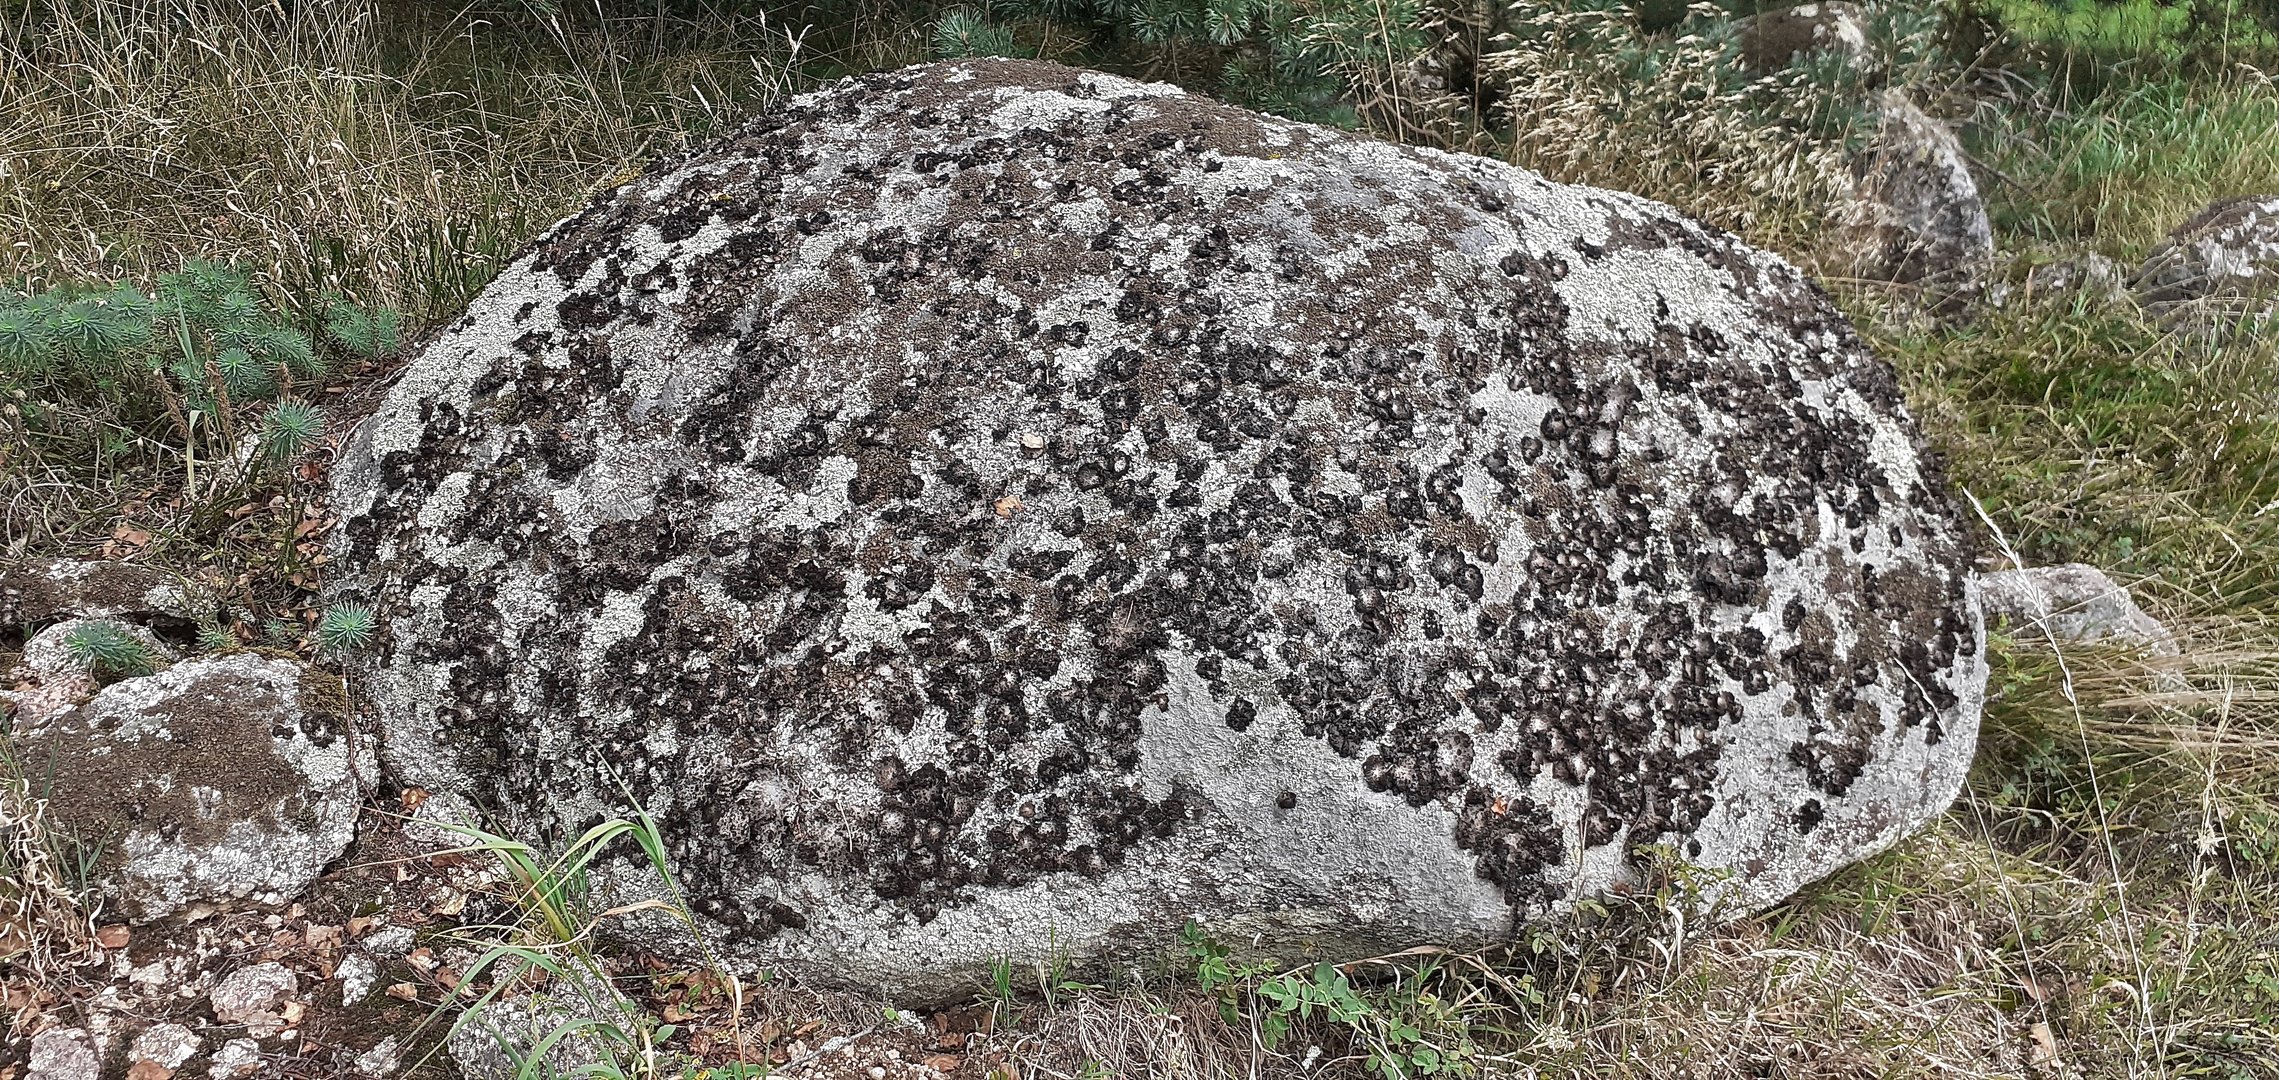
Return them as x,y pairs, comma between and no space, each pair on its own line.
45,931
392,152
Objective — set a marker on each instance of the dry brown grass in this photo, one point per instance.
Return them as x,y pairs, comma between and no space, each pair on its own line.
395,152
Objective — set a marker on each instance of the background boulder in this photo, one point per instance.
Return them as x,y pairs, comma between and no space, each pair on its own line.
2218,270
995,510
1915,216
2072,604
1774,39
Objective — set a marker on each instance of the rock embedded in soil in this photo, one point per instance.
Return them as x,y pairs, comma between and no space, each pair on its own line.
993,510
2074,604
63,1054
165,1045
2219,271
219,780
237,1059
34,593
492,1043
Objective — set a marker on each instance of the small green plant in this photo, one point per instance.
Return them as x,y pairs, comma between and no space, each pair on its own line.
279,634
104,376
552,936
1404,1033
345,628
366,333
289,430
213,637
108,650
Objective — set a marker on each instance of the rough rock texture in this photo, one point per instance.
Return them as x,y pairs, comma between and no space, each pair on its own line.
381,1060
1915,216
165,1045
1774,39
238,1058
992,509
220,778
510,1029
63,1054
251,996
2072,604
34,593
2218,270
2097,275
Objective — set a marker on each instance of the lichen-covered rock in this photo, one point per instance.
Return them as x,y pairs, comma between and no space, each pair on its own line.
33,593
1915,216
253,996
496,1042
1774,39
165,1045
63,1054
2072,604
991,510
2091,273
2218,271
218,779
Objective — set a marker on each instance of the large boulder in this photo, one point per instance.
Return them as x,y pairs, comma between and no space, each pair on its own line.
219,780
996,510
2219,271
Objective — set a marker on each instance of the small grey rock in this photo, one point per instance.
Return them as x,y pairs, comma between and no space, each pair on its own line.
64,1054
2072,604
356,973
167,1045
381,1060
241,771
390,942
250,996
2092,273
237,1059
487,1044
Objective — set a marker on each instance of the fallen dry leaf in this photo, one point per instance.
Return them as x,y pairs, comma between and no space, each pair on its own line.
404,991
942,1062
2045,1045
412,798
114,936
